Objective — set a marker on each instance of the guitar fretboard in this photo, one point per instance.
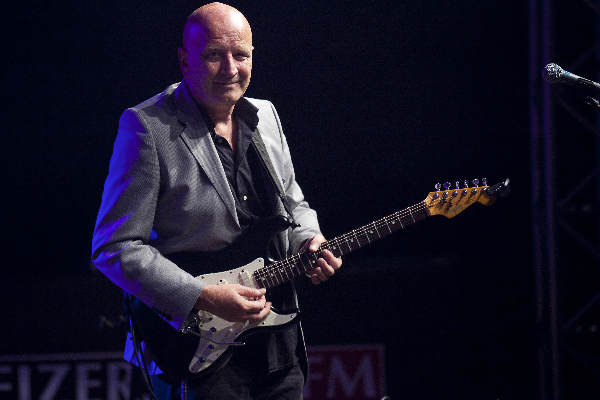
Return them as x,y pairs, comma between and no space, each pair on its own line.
299,264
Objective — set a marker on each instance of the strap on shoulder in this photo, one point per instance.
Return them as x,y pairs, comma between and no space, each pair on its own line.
263,155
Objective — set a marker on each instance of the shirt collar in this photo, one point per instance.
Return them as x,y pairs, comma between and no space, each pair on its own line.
247,112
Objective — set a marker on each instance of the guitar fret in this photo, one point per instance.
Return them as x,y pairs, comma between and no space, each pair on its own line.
271,276
286,269
279,272
338,250
362,236
293,268
268,282
352,237
280,279
347,243
298,265
356,243
391,223
265,278
289,274
375,228
423,211
406,220
366,234
387,225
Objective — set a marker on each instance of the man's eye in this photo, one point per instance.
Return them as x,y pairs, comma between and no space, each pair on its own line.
212,55
241,57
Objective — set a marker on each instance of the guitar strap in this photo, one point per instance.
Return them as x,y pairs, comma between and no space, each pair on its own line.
263,155
265,160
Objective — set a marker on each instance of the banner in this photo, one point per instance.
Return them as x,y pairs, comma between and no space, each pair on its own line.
336,372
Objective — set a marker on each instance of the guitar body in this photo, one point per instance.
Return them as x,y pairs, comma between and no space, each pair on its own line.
208,346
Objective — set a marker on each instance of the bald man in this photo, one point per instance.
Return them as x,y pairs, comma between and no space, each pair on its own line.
186,178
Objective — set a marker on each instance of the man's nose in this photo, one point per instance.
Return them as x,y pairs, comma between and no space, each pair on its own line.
228,65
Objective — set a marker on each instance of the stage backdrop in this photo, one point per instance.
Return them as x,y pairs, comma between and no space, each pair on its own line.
380,100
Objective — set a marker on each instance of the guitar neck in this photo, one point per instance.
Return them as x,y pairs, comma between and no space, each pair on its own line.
299,264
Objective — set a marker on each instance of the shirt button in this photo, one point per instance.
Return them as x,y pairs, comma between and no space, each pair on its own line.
245,197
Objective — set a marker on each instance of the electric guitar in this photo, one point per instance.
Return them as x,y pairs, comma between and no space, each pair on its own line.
206,342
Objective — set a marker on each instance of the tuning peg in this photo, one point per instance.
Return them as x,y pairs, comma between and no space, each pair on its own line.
484,181
438,186
457,185
446,185
465,184
475,182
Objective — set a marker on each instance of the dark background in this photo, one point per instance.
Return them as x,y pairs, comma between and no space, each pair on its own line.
379,100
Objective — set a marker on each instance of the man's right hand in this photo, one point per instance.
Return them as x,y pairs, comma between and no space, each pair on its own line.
233,302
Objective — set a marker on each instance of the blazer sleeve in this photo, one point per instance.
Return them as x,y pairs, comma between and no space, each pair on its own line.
124,224
303,214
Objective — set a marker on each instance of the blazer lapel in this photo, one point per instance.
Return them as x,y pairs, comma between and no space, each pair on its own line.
197,138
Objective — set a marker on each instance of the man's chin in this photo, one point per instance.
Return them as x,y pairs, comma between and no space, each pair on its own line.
228,98
221,102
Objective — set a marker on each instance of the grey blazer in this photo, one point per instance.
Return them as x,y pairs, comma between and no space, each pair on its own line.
167,192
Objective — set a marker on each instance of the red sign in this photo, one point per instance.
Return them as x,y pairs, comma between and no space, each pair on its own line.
345,372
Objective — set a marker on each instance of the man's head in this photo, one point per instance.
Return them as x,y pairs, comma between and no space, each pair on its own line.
216,56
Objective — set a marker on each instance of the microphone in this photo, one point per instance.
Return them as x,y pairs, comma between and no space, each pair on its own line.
553,73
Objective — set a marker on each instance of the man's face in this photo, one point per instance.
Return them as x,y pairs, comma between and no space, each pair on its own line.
216,62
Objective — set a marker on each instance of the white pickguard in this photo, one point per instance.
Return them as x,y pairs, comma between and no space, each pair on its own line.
217,334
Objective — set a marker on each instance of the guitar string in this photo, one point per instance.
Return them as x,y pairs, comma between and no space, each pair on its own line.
268,271
336,242
291,264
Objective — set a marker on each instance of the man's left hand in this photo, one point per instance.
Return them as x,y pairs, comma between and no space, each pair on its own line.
326,265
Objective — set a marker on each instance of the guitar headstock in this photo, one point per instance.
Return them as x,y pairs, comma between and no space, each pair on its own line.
451,202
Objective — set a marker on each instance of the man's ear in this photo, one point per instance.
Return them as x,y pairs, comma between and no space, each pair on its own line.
182,56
